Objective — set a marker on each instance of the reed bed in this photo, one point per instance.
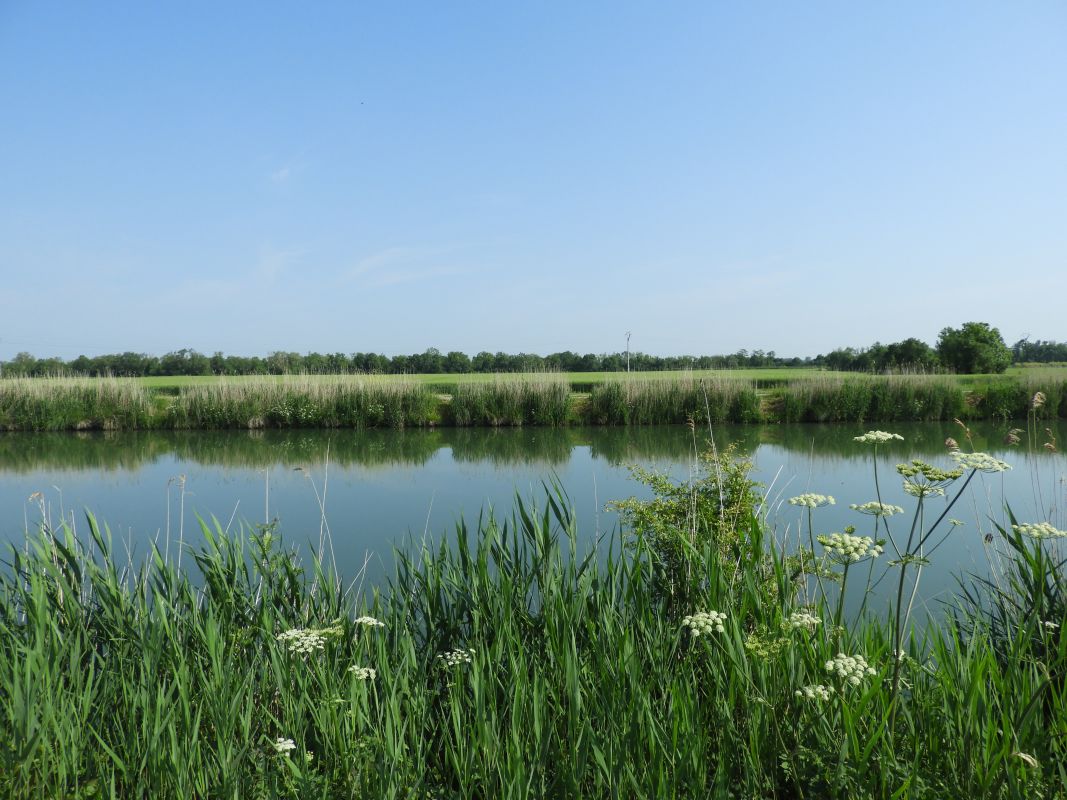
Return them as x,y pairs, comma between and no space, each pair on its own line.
55,404
545,399
891,398
503,663
303,402
638,401
532,399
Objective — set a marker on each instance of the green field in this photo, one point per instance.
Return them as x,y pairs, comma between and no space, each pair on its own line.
769,373
760,375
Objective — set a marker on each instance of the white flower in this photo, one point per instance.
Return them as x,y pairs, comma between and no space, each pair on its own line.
923,490
283,746
802,619
363,673
303,640
705,622
812,500
1051,626
847,547
851,669
877,509
370,622
817,692
1039,530
877,437
982,462
454,658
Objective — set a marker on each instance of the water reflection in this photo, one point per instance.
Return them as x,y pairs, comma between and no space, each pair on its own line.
381,489
549,447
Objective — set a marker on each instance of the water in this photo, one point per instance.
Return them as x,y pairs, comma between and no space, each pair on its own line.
366,492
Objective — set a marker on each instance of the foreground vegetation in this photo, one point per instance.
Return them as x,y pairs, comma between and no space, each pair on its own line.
689,656
54,404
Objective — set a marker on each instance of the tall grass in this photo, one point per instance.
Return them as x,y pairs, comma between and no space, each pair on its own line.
510,665
303,402
638,401
888,398
532,399
55,404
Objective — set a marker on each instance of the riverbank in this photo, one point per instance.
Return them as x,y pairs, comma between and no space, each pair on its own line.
58,404
504,663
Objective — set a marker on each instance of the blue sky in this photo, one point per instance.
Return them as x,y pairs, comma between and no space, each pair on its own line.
528,177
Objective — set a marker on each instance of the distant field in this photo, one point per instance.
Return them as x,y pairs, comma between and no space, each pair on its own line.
769,374
761,374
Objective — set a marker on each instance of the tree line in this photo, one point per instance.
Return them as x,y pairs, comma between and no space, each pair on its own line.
974,347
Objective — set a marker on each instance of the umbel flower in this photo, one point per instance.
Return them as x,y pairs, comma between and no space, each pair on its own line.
283,746
847,547
370,622
454,658
307,640
818,692
812,500
1039,530
852,669
925,480
705,622
802,619
877,509
877,437
982,462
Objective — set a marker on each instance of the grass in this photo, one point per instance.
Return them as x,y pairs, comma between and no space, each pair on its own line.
536,400
303,402
510,665
333,401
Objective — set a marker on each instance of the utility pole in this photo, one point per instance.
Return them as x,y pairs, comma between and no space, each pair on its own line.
627,351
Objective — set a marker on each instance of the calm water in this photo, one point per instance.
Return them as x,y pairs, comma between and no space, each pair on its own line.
383,488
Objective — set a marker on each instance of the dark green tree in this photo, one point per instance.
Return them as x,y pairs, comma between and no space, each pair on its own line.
974,347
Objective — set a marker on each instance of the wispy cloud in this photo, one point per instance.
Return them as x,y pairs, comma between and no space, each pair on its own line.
405,264
273,261
287,170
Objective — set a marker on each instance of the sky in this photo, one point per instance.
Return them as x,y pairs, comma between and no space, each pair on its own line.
534,177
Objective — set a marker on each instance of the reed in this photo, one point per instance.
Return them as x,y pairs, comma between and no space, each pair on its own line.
55,404
531,399
889,398
638,401
303,402
503,663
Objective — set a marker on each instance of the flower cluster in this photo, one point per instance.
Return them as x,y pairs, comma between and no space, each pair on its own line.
370,622
705,622
852,669
363,673
925,480
283,746
307,640
818,692
802,619
1050,625
877,437
453,658
849,547
982,462
1039,530
812,500
922,489
877,509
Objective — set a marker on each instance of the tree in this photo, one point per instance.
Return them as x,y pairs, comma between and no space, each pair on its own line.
975,347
